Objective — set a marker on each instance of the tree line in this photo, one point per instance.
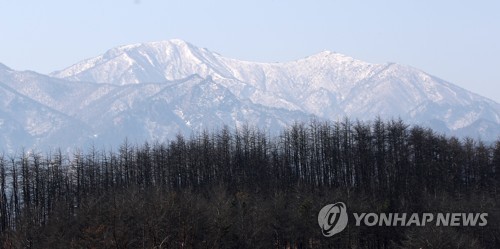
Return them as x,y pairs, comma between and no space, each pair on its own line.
246,188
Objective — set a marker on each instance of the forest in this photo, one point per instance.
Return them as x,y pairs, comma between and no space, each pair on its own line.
247,188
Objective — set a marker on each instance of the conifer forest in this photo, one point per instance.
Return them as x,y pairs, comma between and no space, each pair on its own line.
248,188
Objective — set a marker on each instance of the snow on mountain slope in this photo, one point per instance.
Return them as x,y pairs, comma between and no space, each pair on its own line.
153,91
25,123
159,111
147,62
284,85
64,96
104,114
329,85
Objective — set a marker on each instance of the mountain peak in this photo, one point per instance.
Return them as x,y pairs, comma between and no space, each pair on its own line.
178,42
325,53
155,61
152,47
165,43
331,56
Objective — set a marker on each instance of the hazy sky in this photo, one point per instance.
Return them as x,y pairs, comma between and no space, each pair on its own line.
458,41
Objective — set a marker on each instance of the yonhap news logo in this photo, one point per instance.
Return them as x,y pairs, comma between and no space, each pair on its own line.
333,219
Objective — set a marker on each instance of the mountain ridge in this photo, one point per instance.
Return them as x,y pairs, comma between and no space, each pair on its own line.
154,90
311,83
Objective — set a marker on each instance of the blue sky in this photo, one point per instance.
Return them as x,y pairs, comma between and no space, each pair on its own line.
458,41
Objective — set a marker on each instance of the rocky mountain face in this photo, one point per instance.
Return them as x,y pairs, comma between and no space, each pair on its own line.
153,91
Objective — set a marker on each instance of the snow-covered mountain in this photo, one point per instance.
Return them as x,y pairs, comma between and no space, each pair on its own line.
38,111
156,90
328,84
26,123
